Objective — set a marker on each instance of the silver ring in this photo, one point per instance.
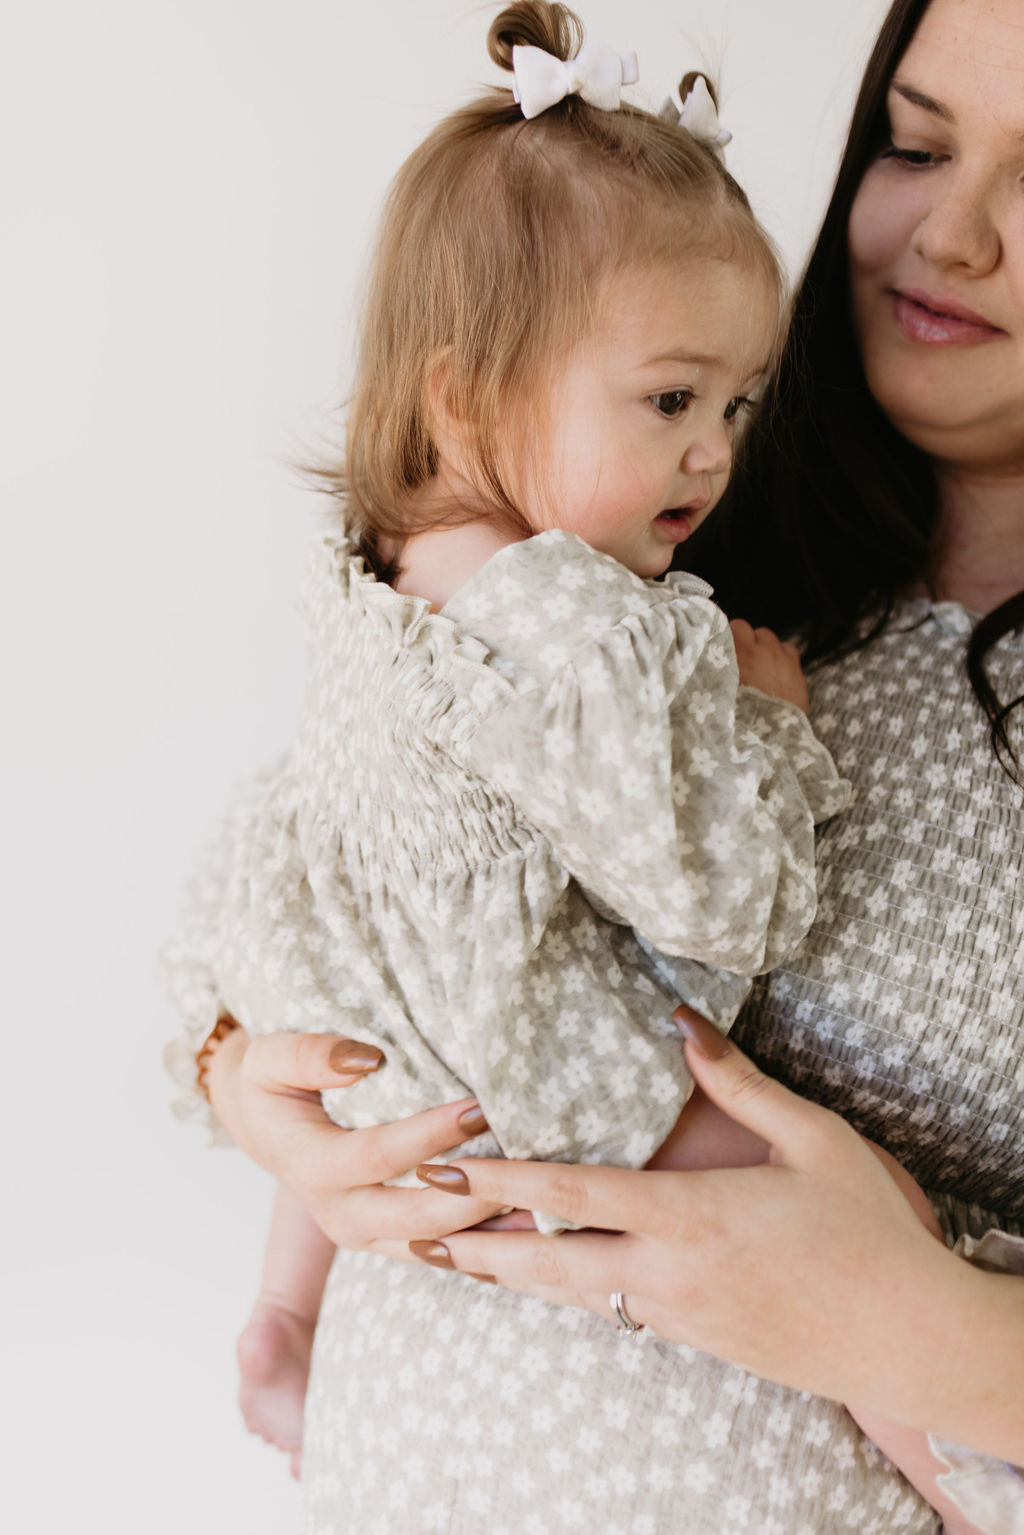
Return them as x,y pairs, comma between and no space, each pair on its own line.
627,1327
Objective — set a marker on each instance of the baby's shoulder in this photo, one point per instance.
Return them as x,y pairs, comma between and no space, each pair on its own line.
549,600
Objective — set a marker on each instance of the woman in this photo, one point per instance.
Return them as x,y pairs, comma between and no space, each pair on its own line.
880,519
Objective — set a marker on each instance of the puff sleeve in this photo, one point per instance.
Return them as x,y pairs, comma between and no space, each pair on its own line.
190,962
682,803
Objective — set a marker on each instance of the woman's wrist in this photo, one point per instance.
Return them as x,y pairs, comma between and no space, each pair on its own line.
977,1390
947,1357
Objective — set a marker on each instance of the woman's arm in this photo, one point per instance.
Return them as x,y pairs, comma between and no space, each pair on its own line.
266,1093
811,1270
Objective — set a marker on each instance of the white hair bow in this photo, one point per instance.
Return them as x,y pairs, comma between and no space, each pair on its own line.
699,117
597,74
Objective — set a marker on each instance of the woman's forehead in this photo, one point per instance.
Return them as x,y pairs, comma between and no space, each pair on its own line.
957,39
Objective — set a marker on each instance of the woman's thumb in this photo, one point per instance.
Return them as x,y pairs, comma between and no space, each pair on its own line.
732,1081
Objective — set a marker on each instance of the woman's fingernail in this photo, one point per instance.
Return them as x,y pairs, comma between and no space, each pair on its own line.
702,1034
473,1121
350,1055
483,1278
434,1253
451,1179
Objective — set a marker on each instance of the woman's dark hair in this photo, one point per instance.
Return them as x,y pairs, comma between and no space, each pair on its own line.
831,513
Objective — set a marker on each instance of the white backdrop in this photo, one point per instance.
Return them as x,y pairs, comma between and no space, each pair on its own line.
188,191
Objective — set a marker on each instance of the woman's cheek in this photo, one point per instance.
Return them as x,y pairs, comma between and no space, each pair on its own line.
887,209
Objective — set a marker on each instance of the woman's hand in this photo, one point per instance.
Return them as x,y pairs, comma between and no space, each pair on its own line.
266,1092
811,1270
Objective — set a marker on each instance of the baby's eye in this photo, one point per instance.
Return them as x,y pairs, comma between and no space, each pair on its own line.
910,157
672,403
736,406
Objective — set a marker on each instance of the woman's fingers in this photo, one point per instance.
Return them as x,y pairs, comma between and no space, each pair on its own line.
613,1198
383,1152
573,1263
372,1216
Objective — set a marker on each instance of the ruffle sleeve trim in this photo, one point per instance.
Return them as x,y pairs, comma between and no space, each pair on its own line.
775,718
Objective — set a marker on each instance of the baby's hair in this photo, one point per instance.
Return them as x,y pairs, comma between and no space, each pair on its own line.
496,236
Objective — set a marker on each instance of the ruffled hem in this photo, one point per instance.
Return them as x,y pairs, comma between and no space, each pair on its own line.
999,1252
189,963
190,1105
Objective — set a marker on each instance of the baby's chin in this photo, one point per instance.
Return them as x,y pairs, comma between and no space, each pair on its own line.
649,569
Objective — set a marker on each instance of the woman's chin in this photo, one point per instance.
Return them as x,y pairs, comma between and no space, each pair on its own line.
929,412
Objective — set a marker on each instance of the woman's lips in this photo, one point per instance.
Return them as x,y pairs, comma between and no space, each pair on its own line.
934,321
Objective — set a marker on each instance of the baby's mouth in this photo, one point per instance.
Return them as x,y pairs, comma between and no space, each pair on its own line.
677,521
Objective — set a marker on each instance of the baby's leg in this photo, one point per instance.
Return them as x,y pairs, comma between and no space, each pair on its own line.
705,1136
274,1349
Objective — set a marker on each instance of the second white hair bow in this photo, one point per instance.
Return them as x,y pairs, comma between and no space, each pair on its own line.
597,74
699,117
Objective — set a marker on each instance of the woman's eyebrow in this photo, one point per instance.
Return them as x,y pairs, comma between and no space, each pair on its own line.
927,103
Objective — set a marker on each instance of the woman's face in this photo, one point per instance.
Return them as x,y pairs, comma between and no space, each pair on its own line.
937,240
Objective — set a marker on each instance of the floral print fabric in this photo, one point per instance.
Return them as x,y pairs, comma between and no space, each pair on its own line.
510,839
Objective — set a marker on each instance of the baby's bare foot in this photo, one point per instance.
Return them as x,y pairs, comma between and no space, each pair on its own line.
273,1363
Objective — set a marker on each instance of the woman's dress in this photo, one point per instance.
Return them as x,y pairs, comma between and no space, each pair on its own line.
439,1404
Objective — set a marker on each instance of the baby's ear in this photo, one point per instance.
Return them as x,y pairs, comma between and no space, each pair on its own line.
447,407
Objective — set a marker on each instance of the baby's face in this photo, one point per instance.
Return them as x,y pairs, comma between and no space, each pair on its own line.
641,420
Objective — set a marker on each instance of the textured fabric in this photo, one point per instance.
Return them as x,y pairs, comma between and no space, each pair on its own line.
441,1405
904,1007
481,807
448,1406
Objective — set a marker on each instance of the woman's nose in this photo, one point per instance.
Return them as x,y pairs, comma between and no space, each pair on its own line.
960,229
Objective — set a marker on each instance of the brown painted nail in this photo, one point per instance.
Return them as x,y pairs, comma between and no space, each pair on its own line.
473,1121
434,1253
451,1179
351,1055
483,1278
702,1034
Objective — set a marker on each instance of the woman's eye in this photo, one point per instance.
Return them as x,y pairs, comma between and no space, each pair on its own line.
740,403
672,403
912,157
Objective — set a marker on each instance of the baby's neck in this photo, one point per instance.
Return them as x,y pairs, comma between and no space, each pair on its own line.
436,562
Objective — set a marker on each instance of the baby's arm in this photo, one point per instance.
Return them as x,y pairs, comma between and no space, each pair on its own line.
682,802
769,664
274,1349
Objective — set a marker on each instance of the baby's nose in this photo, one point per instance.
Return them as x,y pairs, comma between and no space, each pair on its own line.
711,454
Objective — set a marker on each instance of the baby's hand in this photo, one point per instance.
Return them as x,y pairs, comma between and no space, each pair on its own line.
768,663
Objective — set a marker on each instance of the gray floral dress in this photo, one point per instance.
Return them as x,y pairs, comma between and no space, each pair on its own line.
439,1405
